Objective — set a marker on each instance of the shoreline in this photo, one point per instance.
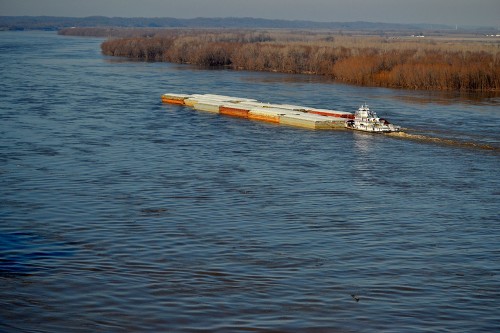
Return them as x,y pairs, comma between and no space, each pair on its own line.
450,62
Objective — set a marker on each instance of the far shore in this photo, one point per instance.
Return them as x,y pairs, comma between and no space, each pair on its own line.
423,61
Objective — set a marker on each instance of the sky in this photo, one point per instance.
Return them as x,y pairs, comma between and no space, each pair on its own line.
451,12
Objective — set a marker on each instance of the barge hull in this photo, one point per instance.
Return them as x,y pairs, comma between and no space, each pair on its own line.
283,114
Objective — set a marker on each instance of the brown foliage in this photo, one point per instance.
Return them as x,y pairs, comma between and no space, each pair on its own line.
354,60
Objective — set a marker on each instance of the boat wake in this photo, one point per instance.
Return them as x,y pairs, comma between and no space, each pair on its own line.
444,141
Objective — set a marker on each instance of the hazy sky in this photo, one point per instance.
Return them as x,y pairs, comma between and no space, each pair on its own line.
461,12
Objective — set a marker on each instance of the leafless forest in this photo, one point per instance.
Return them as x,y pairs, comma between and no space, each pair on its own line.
397,62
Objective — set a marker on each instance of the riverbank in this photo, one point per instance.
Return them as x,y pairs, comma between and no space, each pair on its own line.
453,63
400,62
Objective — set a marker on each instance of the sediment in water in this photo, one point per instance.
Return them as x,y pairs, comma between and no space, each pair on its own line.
442,141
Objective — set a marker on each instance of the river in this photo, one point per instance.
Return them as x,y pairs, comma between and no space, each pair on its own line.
122,214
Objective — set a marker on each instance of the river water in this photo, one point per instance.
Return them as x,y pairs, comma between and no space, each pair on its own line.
121,214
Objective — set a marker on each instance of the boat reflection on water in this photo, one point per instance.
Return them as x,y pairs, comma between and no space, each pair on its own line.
363,143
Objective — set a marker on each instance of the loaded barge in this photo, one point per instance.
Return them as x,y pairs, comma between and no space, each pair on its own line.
294,115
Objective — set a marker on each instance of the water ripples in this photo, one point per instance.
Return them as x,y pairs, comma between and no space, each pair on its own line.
120,214
444,141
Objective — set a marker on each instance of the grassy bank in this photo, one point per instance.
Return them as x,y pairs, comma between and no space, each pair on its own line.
396,62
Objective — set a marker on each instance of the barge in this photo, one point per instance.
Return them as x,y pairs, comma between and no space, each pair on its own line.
293,115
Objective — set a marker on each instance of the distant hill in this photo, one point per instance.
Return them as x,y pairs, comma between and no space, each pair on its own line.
56,23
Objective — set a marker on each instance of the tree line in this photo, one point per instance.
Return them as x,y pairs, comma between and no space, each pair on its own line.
55,23
372,61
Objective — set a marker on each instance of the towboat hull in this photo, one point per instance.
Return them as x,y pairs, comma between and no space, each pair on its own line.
366,120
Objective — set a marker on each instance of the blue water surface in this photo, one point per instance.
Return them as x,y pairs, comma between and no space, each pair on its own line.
122,214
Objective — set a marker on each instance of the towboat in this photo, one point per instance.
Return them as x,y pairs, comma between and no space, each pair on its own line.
366,120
